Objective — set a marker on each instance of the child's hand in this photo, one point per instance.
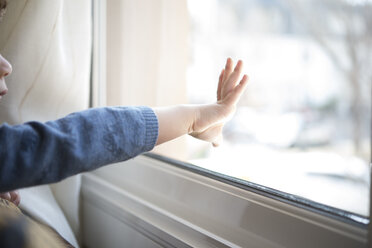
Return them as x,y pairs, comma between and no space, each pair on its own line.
12,196
204,122
210,119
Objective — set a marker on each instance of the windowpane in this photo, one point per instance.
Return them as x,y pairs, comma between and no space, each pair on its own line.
303,125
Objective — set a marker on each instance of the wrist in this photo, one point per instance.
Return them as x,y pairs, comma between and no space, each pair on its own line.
175,121
196,114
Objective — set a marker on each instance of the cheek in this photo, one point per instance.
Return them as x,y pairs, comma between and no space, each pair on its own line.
3,88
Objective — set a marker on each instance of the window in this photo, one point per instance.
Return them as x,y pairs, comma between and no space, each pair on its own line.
303,126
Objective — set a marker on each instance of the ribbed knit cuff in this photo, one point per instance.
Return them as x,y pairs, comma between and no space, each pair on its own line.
152,127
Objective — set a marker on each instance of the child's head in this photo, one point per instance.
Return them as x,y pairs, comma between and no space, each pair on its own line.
5,67
5,70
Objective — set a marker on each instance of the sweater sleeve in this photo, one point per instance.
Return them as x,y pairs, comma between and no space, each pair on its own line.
37,153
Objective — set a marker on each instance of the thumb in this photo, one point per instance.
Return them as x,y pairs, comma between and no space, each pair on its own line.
218,141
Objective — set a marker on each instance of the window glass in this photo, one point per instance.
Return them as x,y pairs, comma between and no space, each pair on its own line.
303,124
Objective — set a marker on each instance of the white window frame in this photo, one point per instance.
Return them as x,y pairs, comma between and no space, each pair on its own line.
98,67
180,205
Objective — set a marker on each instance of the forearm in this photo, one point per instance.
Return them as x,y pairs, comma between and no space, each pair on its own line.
175,121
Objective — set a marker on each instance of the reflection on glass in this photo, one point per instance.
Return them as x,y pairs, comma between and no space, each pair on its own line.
303,126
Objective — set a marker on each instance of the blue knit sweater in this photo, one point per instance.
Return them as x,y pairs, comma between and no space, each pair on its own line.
37,153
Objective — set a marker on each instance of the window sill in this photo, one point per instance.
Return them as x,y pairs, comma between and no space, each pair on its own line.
177,207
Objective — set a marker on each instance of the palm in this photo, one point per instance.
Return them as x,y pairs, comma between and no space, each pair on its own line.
211,119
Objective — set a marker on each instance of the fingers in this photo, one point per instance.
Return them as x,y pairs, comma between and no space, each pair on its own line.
12,196
228,69
220,84
15,197
232,80
235,95
5,196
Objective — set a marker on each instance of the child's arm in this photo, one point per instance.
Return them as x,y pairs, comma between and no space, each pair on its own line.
204,122
37,153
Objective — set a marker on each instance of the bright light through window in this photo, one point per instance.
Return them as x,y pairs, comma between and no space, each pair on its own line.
303,125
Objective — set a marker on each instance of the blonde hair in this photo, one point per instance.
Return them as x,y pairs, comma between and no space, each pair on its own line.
3,4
